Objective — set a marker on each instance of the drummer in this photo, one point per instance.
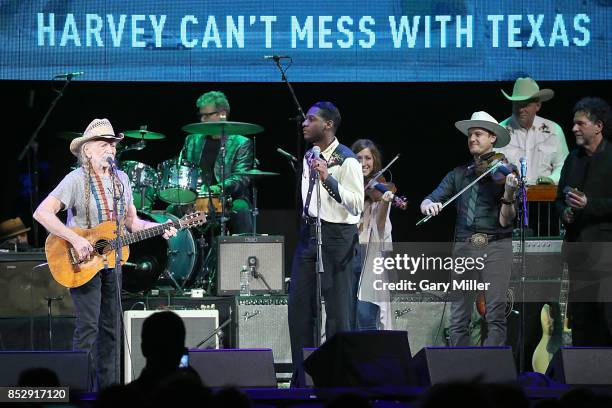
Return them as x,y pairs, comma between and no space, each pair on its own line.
205,149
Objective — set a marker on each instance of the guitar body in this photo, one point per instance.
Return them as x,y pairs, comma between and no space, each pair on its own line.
62,258
541,357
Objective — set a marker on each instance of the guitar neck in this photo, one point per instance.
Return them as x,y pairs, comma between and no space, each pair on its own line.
141,235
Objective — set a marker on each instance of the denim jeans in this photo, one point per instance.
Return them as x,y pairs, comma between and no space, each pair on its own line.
98,326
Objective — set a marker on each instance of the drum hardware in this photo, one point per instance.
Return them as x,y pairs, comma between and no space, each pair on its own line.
222,128
157,259
143,134
254,174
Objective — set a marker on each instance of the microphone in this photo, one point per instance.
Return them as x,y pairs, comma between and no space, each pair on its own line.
286,154
276,57
69,75
252,262
111,162
523,161
142,266
316,152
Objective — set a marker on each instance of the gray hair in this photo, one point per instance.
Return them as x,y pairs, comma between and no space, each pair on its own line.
81,157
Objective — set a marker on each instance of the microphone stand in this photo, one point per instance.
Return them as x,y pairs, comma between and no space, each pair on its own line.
214,332
319,269
223,204
524,221
32,146
299,118
117,195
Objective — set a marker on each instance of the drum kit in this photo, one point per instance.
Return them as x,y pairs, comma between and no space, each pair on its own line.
180,260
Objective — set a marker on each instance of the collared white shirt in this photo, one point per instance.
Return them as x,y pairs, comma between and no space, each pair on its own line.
543,145
349,178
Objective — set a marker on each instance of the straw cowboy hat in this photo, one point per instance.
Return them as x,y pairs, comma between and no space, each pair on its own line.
526,88
12,228
483,120
97,129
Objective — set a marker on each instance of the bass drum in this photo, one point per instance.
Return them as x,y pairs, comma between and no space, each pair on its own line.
151,258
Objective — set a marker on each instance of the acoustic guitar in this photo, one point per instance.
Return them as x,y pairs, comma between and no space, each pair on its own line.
555,330
64,262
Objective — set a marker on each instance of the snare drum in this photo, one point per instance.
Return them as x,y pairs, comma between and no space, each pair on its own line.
179,182
144,183
209,203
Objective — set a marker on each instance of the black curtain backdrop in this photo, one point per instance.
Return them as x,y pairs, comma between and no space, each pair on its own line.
413,119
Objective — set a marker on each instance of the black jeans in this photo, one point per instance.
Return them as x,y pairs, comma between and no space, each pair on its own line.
98,326
337,283
498,263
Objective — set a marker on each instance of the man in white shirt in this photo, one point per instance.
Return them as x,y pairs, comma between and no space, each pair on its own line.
342,196
540,141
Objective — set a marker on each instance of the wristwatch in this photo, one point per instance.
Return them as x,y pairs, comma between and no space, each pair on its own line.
504,201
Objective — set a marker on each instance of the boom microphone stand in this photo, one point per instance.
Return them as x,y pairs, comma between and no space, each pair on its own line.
32,146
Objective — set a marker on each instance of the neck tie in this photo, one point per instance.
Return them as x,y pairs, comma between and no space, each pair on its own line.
311,182
471,210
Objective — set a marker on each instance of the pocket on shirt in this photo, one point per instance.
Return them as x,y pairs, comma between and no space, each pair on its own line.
546,155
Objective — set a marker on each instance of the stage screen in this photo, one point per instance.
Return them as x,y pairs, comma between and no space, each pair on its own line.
327,41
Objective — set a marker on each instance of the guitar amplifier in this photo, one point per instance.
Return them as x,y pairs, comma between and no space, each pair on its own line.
25,282
266,253
544,266
199,325
261,322
425,316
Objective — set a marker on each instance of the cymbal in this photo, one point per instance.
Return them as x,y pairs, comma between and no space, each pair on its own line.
68,135
143,134
256,173
229,128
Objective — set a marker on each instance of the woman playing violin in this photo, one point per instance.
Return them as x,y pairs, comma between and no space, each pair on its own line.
372,308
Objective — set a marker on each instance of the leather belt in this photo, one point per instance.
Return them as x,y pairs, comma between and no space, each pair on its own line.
481,240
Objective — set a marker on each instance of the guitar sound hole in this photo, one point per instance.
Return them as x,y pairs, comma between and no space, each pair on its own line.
102,247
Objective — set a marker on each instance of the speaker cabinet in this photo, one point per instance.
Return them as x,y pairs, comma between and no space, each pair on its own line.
238,368
366,358
434,365
424,316
261,322
25,282
582,366
265,253
199,325
71,367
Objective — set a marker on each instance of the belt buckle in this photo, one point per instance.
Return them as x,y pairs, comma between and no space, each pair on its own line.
479,240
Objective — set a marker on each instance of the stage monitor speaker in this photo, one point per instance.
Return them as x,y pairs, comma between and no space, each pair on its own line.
199,325
25,282
582,366
424,316
264,255
261,322
366,358
434,365
71,367
306,352
237,368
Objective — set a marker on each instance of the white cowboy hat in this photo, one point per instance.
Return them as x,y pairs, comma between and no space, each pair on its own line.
526,88
97,129
483,120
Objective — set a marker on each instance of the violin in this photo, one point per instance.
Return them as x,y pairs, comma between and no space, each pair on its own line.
375,189
486,161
